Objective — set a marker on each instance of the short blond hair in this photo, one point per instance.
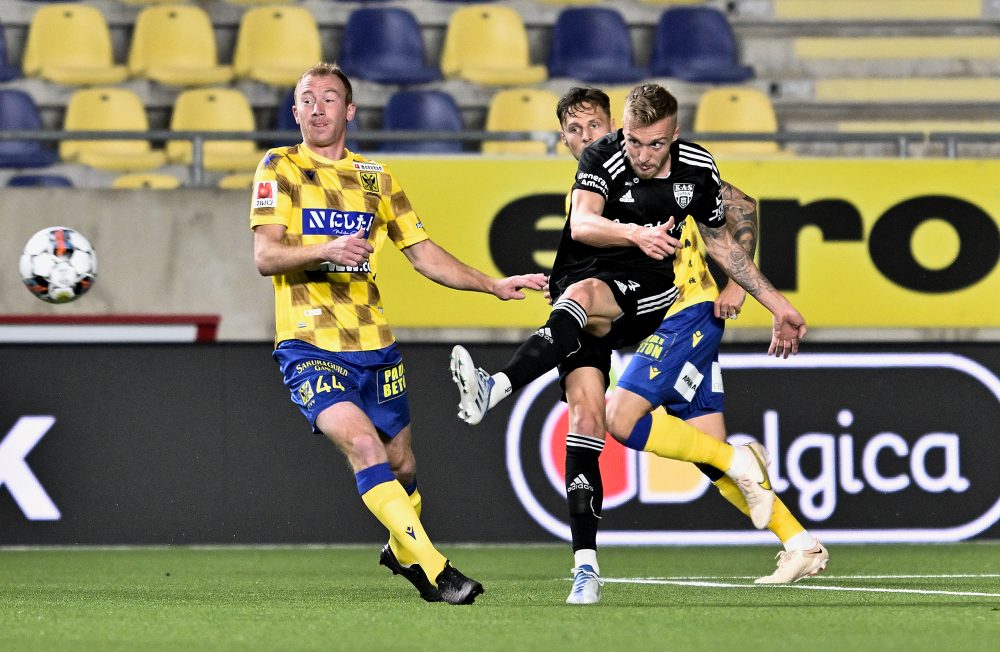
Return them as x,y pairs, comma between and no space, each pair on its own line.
649,103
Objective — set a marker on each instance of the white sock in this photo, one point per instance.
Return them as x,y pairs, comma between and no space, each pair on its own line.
586,556
801,541
501,388
741,462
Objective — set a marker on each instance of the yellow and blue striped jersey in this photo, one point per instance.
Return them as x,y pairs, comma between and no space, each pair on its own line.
317,199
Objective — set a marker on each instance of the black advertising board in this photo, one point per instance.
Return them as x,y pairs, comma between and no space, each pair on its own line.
186,444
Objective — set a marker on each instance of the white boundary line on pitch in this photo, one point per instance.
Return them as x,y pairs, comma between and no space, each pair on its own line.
804,587
826,576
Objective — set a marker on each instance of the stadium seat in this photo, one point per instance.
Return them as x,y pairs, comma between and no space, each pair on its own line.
108,109
866,10
39,181
696,44
524,109
175,45
7,71
618,95
70,44
429,110
240,181
214,109
732,109
149,180
384,45
593,44
488,45
274,45
18,112
915,90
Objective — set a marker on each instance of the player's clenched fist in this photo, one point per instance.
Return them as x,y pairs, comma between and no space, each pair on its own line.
348,250
656,242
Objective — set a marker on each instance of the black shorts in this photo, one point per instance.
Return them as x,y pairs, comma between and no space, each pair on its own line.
643,294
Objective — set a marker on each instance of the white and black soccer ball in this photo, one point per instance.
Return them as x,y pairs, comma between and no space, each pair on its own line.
58,265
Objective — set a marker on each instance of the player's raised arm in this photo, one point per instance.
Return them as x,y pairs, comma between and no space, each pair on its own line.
741,220
431,260
590,227
789,327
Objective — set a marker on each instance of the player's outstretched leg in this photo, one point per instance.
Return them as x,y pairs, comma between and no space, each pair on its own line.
414,573
456,588
474,385
794,565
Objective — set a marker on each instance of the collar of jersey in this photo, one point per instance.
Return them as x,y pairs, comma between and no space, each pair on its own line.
348,159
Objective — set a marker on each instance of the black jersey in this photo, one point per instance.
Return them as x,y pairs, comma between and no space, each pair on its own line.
693,188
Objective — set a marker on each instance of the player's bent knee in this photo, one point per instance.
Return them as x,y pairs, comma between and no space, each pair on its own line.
620,424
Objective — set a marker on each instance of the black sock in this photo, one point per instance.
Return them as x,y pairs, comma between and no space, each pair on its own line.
584,491
547,347
713,473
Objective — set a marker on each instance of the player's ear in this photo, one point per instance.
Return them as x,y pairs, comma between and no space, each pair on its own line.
677,133
351,110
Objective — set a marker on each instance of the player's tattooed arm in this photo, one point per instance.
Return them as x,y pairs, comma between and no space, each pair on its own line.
736,261
741,217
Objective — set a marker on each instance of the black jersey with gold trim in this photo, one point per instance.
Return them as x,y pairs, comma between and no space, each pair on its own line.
693,187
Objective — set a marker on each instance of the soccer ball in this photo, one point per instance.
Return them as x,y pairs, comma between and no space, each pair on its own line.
58,264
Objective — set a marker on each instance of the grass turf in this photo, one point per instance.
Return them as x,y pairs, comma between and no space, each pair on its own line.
340,599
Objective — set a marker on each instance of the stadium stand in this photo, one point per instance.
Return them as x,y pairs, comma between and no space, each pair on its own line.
733,109
489,45
239,181
422,110
696,44
109,109
385,45
521,109
148,180
215,109
70,44
593,44
275,44
18,112
175,45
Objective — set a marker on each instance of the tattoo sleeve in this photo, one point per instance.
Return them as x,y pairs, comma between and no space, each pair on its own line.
732,248
741,217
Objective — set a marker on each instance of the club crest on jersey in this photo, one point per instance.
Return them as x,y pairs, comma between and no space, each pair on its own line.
369,182
683,194
265,194
327,221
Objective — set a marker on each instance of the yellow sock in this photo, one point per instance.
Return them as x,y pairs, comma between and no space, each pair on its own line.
402,554
678,440
391,506
782,523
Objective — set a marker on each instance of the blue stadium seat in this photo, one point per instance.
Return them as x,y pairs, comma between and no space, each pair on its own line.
384,45
39,181
422,111
7,71
696,44
592,44
19,113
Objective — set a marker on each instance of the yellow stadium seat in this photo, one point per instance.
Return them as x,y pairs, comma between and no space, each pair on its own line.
861,10
175,45
617,95
521,109
149,180
241,181
737,109
275,45
108,109
69,43
919,90
215,109
487,44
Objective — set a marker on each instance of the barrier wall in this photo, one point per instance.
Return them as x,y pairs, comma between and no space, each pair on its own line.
854,244
198,443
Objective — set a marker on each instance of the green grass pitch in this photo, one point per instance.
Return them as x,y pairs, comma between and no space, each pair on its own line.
876,597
